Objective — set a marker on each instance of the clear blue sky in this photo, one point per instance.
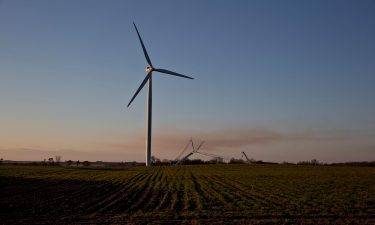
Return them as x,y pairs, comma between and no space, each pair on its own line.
281,80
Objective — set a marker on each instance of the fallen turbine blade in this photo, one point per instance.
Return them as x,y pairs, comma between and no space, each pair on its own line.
192,144
140,88
143,46
172,73
200,145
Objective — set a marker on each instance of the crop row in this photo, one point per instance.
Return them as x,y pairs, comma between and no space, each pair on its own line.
206,192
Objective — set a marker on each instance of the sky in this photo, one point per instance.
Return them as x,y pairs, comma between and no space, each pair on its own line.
280,80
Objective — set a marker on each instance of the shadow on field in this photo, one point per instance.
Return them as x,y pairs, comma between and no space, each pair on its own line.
177,196
62,201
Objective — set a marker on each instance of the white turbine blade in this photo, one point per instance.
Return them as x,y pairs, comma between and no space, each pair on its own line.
172,73
140,87
143,46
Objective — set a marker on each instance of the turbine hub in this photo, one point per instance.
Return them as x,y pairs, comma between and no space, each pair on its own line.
149,69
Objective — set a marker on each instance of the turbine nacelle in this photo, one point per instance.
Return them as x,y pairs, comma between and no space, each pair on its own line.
149,69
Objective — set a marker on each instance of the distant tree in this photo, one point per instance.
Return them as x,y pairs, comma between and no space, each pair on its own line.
51,162
58,159
166,162
218,160
193,162
68,163
363,163
236,161
86,163
314,162
78,162
155,160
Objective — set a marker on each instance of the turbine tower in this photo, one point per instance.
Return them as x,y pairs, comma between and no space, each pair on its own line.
149,69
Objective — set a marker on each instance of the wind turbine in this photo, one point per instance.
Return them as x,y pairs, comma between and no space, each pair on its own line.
149,69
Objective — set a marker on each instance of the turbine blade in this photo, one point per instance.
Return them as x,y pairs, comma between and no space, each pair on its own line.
200,145
192,144
143,46
172,73
140,88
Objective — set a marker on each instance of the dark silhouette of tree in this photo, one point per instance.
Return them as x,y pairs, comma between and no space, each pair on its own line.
51,162
314,162
58,159
155,160
216,160
44,162
68,163
78,162
86,163
236,161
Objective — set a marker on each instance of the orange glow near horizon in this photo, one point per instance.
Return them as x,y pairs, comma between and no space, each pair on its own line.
262,144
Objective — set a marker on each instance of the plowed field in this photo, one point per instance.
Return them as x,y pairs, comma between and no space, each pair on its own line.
204,194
